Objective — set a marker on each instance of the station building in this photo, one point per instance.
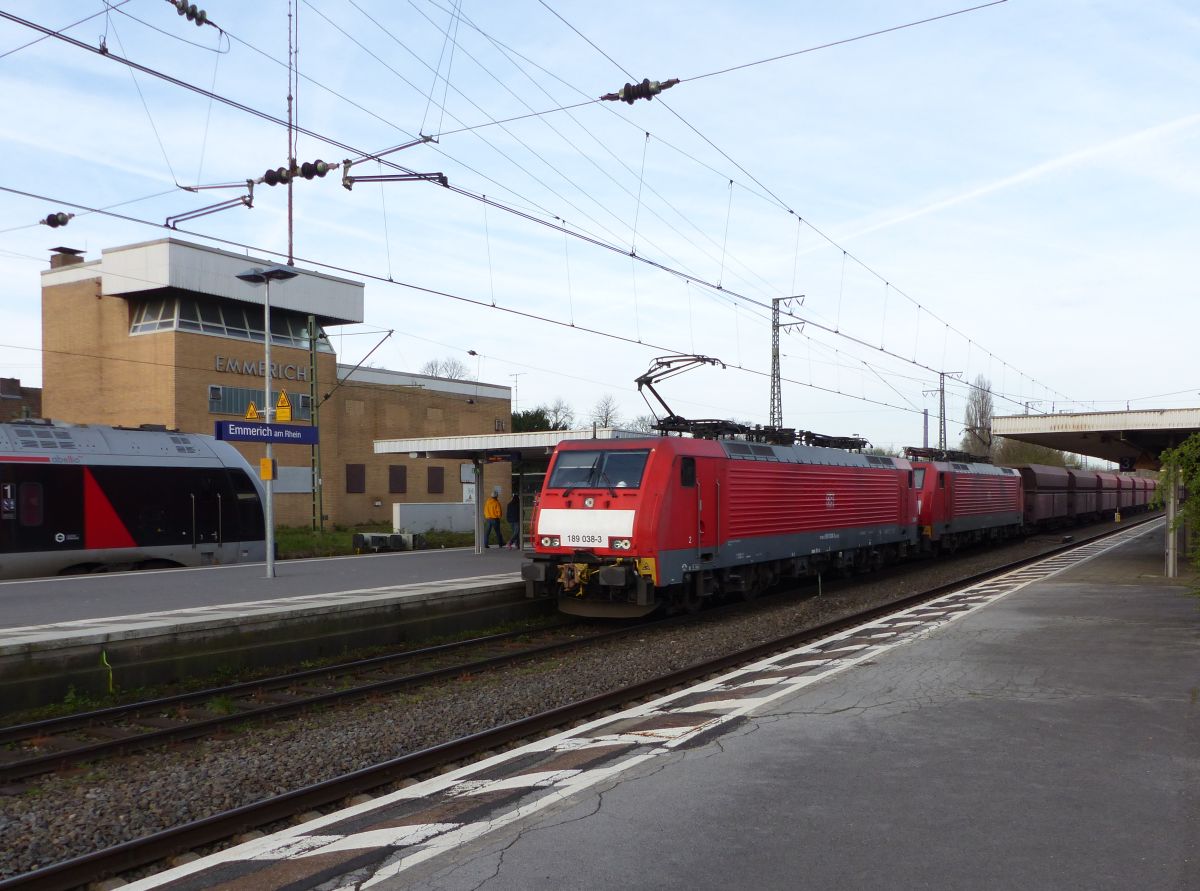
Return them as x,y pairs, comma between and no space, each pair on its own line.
18,403
164,333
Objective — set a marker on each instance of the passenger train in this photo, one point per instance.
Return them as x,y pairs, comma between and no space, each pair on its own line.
89,498
625,527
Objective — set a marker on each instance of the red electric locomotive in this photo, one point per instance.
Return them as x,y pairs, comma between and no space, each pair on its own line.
625,526
960,503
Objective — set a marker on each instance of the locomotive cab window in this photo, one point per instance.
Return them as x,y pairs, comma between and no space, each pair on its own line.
687,473
920,477
941,480
599,469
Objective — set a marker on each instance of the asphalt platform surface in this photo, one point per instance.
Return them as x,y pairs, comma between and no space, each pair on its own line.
1050,740
71,598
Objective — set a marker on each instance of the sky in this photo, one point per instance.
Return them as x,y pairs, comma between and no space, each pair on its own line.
1007,193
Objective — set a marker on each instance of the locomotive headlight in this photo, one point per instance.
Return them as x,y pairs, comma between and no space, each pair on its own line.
549,541
620,544
589,502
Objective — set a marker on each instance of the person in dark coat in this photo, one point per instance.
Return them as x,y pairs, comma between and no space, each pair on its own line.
512,513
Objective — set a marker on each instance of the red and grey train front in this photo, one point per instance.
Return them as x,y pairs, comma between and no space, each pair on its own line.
592,530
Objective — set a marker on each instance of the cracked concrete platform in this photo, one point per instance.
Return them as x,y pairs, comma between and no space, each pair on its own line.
1050,740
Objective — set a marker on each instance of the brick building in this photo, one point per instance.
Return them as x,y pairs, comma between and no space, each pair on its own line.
164,333
17,402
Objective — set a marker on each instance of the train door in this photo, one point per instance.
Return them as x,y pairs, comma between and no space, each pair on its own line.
707,507
945,499
206,496
695,508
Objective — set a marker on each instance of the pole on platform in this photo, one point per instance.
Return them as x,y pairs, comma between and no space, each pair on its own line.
1172,556
477,466
264,277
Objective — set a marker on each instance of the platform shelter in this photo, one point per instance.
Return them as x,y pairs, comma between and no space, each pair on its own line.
529,454
1133,440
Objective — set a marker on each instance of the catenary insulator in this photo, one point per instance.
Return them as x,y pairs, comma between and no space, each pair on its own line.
315,168
647,89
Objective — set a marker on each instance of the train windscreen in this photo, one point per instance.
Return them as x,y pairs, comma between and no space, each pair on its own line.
605,469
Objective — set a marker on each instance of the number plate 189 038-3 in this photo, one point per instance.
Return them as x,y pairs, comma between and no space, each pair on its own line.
578,538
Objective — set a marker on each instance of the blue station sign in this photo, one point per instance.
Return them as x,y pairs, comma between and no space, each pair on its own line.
259,431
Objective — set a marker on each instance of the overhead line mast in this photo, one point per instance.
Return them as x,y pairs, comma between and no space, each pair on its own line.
776,376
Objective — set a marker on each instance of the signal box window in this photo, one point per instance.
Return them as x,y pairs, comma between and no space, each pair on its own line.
397,479
356,478
436,481
687,472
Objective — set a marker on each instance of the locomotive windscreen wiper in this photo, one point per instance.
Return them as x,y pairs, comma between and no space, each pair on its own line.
604,479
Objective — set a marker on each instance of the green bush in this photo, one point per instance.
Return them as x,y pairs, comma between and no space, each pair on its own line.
301,541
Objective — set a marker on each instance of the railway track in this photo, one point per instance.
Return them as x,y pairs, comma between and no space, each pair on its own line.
219,827
27,750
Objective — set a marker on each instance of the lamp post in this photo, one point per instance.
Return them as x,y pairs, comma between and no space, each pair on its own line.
265,277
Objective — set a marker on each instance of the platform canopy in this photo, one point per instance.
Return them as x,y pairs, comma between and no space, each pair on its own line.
1131,439
529,447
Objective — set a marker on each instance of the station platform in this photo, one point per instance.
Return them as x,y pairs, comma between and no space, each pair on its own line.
1040,730
192,622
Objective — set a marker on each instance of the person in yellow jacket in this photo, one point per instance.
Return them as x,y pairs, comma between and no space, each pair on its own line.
491,519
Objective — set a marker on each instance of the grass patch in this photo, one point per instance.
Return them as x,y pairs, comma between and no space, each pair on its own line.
220,705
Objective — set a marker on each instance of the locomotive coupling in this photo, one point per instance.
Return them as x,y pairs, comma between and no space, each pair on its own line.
618,575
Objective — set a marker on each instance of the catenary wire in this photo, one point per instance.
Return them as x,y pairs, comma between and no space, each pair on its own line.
519,313
843,41
334,142
105,11
779,201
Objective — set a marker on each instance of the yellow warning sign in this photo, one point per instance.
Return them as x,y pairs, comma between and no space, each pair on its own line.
252,413
283,408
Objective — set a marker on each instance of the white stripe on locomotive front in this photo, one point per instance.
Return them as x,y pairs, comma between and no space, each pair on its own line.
609,523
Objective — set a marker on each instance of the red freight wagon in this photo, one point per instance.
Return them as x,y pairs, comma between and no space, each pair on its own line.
1084,494
1141,492
623,526
1047,491
1125,498
1109,492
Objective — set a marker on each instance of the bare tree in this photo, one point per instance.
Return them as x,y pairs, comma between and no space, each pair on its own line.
642,424
561,415
977,423
605,412
450,367
1012,451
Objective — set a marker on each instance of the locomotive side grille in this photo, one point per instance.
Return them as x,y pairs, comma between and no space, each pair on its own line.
781,498
975,495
